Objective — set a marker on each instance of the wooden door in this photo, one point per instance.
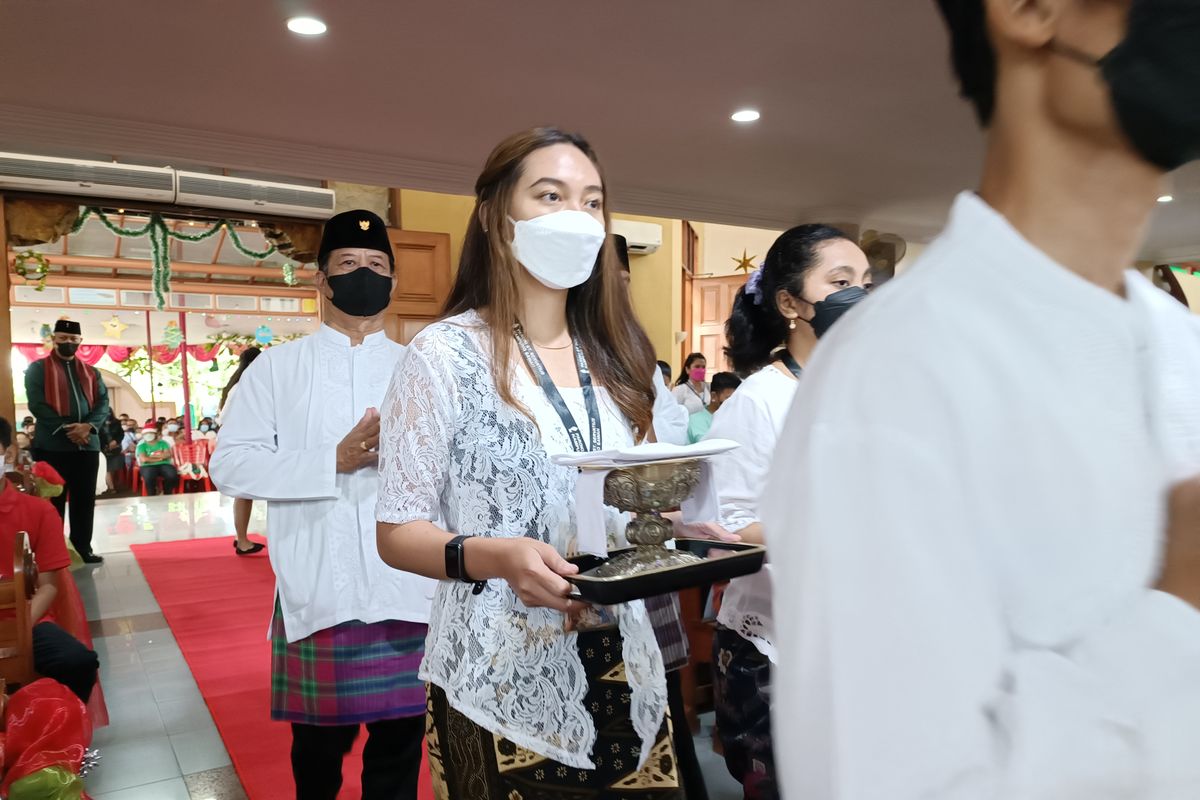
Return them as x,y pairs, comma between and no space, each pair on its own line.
712,301
691,260
422,282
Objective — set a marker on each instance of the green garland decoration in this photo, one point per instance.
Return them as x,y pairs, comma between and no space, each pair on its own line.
41,268
160,247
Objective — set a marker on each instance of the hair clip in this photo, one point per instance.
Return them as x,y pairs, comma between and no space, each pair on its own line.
754,286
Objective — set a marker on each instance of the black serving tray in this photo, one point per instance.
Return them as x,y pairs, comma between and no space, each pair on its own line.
745,559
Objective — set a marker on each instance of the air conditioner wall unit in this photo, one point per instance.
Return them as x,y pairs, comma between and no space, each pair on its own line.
255,197
72,176
643,238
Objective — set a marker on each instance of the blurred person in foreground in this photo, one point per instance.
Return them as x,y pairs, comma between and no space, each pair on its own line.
994,574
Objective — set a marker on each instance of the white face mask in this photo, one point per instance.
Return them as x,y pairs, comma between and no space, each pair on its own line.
149,437
172,428
558,249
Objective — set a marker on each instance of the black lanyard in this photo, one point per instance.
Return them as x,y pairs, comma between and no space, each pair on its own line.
791,364
552,394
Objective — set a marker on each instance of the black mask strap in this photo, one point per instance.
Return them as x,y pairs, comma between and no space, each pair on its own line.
1075,54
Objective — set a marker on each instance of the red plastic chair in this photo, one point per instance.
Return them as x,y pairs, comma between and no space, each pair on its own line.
142,489
197,452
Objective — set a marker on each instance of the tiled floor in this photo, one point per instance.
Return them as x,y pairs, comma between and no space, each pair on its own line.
162,743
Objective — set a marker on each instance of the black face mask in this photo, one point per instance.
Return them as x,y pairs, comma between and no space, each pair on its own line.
361,293
1154,78
830,310
66,349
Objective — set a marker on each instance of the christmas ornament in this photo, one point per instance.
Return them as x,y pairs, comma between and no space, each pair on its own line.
114,327
745,263
172,335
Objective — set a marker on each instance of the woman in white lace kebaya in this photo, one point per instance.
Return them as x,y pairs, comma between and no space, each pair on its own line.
539,354
811,276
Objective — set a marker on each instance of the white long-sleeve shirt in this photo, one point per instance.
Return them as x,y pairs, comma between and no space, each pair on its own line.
278,443
968,502
670,417
752,417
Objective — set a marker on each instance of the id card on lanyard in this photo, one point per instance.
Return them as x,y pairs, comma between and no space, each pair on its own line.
595,438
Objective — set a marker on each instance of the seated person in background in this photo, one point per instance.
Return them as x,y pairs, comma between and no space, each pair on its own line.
56,653
156,460
129,441
208,429
723,386
24,443
172,431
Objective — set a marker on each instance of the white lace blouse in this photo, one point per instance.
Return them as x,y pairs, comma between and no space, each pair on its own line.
450,449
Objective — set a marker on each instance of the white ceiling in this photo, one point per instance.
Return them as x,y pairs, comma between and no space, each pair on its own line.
860,119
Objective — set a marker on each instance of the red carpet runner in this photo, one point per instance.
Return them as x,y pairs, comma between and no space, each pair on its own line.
218,607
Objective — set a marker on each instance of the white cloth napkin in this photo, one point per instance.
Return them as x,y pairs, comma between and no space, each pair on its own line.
703,505
590,532
644,454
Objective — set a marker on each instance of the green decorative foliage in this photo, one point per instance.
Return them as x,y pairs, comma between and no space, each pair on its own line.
160,246
41,268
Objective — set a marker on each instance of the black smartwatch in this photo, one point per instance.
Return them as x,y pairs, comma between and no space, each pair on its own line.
456,566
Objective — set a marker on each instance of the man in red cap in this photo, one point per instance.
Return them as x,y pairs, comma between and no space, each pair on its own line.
155,458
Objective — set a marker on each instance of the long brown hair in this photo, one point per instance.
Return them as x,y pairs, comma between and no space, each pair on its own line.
599,312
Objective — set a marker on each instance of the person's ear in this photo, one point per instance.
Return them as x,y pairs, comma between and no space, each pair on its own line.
791,307
484,207
321,281
1025,24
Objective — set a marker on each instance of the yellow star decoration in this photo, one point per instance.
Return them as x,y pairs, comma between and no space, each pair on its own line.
114,327
745,263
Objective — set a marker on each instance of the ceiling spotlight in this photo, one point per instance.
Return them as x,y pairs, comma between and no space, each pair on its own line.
1167,198
306,26
745,115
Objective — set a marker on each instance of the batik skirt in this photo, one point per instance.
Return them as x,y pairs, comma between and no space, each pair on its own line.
348,674
742,700
468,762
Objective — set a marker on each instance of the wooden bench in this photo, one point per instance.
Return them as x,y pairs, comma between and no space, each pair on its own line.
16,629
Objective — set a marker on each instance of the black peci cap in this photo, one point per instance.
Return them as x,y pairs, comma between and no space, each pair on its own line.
359,229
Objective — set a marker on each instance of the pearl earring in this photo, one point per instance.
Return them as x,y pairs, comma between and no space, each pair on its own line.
792,324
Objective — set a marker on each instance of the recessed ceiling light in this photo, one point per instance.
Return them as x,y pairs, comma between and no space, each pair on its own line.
1167,198
745,115
306,26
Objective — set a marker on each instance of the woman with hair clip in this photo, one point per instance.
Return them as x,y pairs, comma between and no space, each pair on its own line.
691,387
538,353
812,275
243,507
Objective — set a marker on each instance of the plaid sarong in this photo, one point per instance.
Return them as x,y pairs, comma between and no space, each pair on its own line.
663,611
348,674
